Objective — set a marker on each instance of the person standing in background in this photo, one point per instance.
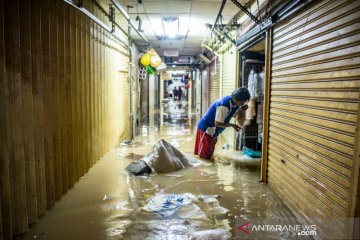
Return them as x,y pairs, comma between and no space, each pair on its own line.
175,93
179,93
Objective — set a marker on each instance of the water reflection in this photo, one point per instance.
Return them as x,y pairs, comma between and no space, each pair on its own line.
175,113
108,204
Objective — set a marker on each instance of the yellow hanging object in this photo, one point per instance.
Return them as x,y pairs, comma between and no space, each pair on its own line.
145,59
155,61
153,52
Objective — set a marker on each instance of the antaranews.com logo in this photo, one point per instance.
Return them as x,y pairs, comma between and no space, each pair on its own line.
300,230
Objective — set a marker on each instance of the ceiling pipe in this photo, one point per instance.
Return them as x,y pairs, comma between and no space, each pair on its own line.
218,16
210,49
233,21
98,22
131,23
245,11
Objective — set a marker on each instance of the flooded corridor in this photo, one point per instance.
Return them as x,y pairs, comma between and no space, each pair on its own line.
95,92
107,203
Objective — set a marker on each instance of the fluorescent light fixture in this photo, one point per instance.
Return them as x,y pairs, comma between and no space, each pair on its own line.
183,25
171,27
176,72
157,26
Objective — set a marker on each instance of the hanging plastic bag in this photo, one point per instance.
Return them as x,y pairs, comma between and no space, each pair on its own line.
155,61
162,68
152,52
150,70
145,59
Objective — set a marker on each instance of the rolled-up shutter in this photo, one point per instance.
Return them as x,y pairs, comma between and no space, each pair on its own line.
228,83
214,77
315,80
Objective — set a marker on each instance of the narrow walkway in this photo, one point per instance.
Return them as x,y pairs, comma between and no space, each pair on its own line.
106,203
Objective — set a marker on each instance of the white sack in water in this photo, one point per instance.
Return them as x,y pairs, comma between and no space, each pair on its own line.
163,158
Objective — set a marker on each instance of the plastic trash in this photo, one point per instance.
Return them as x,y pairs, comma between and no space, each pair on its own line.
251,153
218,234
191,211
138,168
225,146
213,204
167,204
126,142
163,158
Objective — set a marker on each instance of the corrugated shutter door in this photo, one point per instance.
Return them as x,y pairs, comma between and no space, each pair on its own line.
204,91
125,98
228,85
214,86
313,112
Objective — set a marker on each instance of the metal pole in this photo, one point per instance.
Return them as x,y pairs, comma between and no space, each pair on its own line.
217,17
246,11
130,91
98,22
107,15
233,20
131,23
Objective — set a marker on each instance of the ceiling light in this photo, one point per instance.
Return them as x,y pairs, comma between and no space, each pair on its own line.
171,27
176,72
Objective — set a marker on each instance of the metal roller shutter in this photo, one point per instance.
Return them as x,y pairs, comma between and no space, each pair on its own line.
228,84
204,90
214,86
315,80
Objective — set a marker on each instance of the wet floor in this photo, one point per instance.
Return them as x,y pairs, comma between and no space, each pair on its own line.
107,203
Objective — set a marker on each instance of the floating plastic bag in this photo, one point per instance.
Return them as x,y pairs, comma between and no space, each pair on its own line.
167,204
191,211
138,168
251,153
213,204
163,158
218,234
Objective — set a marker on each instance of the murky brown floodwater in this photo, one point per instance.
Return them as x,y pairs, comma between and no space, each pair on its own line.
107,203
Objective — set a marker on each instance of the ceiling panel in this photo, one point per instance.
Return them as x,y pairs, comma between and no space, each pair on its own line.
168,7
206,8
193,15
